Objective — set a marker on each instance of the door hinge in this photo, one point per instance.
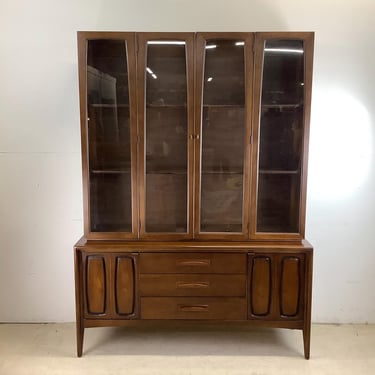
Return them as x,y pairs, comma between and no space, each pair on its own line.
251,139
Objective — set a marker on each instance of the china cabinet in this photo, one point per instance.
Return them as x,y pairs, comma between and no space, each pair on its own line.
194,160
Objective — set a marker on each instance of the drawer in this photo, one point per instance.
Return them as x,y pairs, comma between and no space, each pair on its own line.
192,263
193,285
193,308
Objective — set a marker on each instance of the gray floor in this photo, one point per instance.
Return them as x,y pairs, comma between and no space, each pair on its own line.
50,349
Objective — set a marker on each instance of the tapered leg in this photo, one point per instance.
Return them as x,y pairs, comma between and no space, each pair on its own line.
307,322
80,334
79,303
306,341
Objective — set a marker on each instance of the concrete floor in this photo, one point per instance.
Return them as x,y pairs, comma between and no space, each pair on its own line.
50,349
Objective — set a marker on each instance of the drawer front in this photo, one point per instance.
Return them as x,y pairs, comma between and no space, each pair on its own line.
193,308
193,285
193,263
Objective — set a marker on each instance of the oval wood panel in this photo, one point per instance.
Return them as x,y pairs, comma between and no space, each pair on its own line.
95,285
290,286
261,286
124,285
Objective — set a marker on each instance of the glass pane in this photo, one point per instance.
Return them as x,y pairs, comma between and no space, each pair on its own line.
109,136
281,136
166,137
223,130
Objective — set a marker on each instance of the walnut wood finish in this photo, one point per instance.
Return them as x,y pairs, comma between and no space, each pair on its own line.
276,286
142,39
124,285
260,285
245,277
96,285
192,263
180,285
201,39
129,39
193,308
290,286
308,43
80,328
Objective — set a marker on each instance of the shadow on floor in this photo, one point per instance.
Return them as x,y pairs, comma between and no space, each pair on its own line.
193,341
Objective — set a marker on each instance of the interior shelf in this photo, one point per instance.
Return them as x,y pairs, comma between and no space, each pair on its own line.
167,171
235,172
239,106
182,106
100,105
277,171
282,106
110,171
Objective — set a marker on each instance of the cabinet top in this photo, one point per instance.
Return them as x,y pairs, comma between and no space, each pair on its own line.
217,246
229,33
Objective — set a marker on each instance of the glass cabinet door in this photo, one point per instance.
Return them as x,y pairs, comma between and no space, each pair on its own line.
283,81
224,66
165,66
107,71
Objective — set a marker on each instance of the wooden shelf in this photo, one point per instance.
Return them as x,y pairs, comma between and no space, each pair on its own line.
238,172
277,171
168,171
281,106
238,106
110,171
181,106
99,105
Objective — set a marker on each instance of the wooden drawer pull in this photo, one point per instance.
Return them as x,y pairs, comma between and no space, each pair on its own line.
198,284
193,308
192,262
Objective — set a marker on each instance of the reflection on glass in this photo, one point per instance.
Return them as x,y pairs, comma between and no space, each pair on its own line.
281,135
109,136
223,129
166,137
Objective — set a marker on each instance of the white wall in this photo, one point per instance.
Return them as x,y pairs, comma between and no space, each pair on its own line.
40,180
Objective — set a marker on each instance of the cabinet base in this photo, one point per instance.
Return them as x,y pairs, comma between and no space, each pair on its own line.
248,284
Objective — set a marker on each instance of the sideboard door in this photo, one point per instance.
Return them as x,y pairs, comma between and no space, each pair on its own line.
282,94
110,284
222,143
276,286
165,123
125,286
96,271
107,74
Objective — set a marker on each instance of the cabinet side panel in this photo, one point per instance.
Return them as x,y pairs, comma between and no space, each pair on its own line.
95,285
290,286
124,285
260,286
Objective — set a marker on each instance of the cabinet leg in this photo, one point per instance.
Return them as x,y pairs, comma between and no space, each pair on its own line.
308,292
79,301
306,340
80,334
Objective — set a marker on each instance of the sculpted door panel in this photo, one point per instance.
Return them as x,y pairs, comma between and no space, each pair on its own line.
110,285
96,285
260,286
290,286
276,286
124,285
